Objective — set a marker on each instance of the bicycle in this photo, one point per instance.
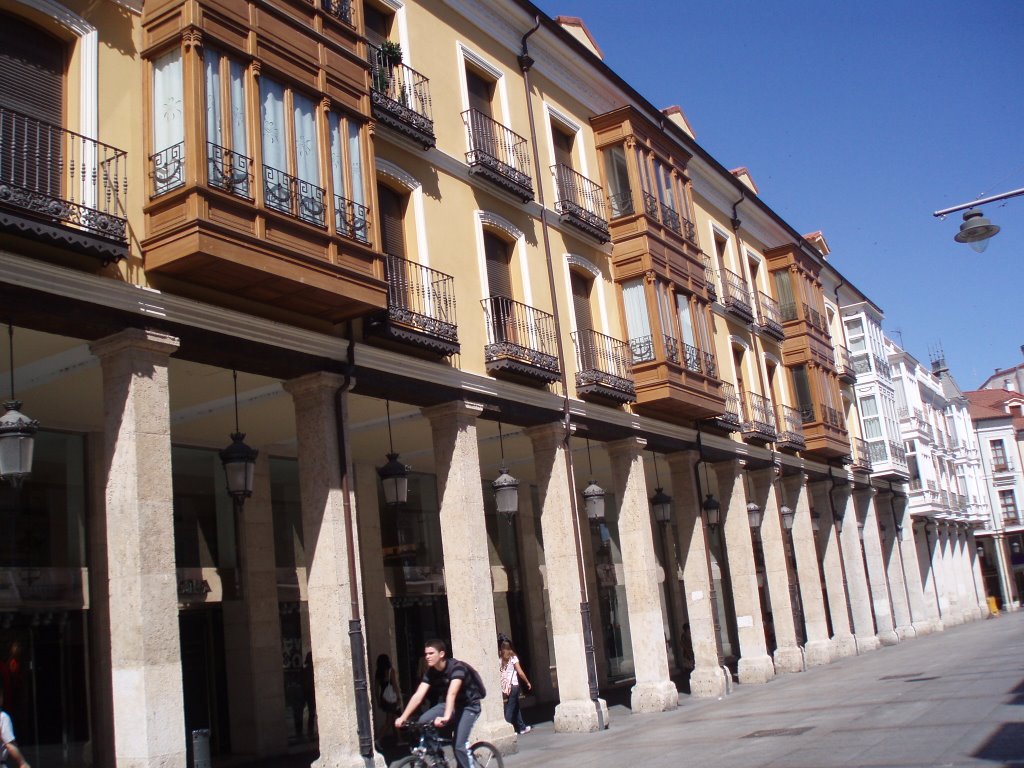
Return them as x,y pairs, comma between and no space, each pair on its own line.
429,750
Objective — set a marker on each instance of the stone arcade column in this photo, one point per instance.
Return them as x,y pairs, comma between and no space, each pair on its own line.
252,630
922,543
864,501
954,614
894,566
467,565
843,641
856,577
755,665
919,616
933,538
327,540
145,655
707,679
788,656
654,691
969,599
818,649
576,712
978,579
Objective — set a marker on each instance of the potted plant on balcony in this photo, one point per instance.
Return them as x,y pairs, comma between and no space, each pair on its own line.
390,54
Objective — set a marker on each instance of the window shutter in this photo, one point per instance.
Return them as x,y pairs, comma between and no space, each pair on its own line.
581,302
392,216
31,71
499,276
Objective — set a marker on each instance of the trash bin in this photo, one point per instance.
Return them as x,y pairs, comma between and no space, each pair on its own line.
201,748
993,606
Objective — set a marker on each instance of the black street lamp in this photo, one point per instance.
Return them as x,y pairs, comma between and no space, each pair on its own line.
239,460
17,434
394,475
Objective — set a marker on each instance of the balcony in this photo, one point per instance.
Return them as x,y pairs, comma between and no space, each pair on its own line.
294,197
844,365
521,343
729,419
603,368
861,455
400,98
770,316
421,309
710,285
669,217
580,203
498,154
815,319
737,297
824,431
674,380
62,188
758,419
791,430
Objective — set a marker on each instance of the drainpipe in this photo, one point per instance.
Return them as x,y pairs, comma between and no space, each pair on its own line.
525,64
355,624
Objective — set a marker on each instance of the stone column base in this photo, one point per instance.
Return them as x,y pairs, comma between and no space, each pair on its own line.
499,733
789,659
341,758
923,628
888,637
758,669
654,697
973,613
906,632
581,716
818,653
708,683
843,646
951,619
867,643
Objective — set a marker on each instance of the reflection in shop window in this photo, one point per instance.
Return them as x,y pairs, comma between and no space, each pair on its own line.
411,538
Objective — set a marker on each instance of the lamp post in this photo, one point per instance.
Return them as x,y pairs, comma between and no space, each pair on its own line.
976,230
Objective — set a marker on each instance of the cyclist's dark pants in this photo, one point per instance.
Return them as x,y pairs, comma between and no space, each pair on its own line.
463,720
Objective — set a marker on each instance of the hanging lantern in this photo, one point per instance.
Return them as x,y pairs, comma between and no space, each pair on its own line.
17,443
661,505
815,521
239,460
506,493
754,515
394,475
593,502
788,516
713,509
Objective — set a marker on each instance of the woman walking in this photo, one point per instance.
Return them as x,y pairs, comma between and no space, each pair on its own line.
389,700
511,676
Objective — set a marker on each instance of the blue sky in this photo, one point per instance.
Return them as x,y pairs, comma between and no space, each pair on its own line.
860,119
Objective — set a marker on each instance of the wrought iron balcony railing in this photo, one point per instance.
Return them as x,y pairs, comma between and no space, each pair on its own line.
844,365
709,278
791,429
758,417
730,417
168,169
520,338
898,453
603,366
882,368
669,217
770,316
815,318
58,177
861,456
877,452
350,219
580,202
295,197
679,353
620,205
498,154
737,297
228,170
788,311
861,363
831,416
806,413
421,305
339,9
400,98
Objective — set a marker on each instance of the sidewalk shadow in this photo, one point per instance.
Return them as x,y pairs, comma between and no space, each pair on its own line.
1005,746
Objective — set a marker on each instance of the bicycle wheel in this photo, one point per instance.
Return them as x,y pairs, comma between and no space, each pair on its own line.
412,761
486,755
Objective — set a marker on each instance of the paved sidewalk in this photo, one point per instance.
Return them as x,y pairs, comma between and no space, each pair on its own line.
955,698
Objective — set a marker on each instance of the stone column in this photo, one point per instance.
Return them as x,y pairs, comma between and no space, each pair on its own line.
755,665
576,710
922,542
979,580
919,617
252,630
467,567
953,615
328,540
101,690
970,598
532,572
654,691
818,649
145,650
843,641
856,576
874,560
939,579
707,679
894,566
788,656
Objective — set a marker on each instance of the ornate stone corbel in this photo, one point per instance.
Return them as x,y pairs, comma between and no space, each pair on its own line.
256,67
191,38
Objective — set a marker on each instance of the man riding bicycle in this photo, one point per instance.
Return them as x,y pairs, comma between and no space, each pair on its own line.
457,690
